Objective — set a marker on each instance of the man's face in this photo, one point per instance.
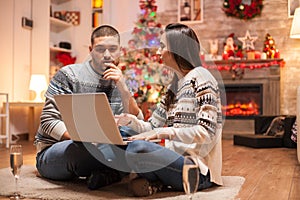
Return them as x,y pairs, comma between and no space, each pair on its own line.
105,50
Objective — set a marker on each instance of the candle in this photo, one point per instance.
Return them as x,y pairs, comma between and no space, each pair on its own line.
250,55
277,54
202,56
257,55
263,56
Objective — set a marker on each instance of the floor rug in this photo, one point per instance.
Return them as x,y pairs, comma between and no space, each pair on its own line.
32,186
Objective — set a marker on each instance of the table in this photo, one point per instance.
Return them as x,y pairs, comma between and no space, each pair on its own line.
32,123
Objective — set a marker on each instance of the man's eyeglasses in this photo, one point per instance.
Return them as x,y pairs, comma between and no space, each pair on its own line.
102,49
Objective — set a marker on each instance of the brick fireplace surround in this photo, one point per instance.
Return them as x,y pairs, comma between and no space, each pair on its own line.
268,77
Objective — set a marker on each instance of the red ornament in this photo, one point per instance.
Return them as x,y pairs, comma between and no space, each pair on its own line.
136,30
123,68
65,58
277,54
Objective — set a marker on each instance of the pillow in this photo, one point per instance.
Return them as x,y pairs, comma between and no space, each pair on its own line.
276,127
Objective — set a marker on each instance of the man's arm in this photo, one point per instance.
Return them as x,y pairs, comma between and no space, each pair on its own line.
129,103
51,121
66,136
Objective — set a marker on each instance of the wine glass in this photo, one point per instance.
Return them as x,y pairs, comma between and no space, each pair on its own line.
190,176
16,161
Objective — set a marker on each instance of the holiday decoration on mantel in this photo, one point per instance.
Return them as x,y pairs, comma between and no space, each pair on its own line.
142,68
232,48
243,9
248,41
237,67
270,47
252,65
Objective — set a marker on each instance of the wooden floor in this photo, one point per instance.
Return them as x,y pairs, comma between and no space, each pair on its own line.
269,173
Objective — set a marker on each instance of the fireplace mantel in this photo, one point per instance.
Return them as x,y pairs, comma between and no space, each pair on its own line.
239,69
241,72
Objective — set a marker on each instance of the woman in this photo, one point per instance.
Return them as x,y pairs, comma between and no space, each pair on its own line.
188,117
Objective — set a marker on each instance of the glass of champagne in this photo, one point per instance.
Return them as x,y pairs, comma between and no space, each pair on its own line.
190,176
16,161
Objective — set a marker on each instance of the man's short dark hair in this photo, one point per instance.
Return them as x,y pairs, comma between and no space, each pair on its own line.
104,31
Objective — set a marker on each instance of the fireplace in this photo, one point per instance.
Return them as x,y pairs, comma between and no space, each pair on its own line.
243,101
255,91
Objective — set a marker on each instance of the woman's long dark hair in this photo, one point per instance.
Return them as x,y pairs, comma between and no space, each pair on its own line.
184,46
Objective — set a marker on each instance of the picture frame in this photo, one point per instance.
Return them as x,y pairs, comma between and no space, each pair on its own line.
292,5
190,11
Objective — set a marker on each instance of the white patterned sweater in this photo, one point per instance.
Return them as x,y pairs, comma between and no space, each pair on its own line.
195,121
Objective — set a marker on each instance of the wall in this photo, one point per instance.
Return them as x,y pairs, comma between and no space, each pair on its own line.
82,32
15,58
15,48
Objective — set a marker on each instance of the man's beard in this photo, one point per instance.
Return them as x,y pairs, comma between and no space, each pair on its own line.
98,65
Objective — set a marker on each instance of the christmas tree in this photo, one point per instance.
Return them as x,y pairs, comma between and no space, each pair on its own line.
147,31
142,68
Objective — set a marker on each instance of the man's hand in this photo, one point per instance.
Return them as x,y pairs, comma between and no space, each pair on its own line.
113,72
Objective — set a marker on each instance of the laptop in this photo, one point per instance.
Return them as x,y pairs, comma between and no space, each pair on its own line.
89,118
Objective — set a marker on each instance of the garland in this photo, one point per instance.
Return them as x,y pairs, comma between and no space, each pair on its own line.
242,65
243,9
237,70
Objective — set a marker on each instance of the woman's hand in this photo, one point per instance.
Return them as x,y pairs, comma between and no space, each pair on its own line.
132,122
149,135
152,135
126,119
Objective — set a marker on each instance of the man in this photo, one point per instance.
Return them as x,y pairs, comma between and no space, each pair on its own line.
58,157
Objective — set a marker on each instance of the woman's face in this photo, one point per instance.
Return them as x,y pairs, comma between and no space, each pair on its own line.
165,54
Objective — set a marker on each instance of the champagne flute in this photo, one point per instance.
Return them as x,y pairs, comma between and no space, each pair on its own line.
190,176
16,161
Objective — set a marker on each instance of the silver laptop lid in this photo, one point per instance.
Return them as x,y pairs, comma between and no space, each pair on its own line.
89,118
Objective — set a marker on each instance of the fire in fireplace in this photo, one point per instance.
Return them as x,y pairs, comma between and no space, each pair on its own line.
243,100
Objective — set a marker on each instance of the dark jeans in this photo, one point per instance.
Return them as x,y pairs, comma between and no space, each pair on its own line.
68,159
157,163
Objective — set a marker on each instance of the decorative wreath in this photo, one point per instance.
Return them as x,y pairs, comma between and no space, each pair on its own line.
243,9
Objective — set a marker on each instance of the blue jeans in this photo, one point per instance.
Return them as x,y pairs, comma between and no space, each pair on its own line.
67,159
156,163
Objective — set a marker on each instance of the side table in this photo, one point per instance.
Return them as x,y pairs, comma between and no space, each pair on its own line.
32,123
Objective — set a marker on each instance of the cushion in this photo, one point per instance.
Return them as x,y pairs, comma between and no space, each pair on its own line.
270,132
258,140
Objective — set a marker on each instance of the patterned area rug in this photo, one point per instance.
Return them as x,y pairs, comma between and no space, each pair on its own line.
32,186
